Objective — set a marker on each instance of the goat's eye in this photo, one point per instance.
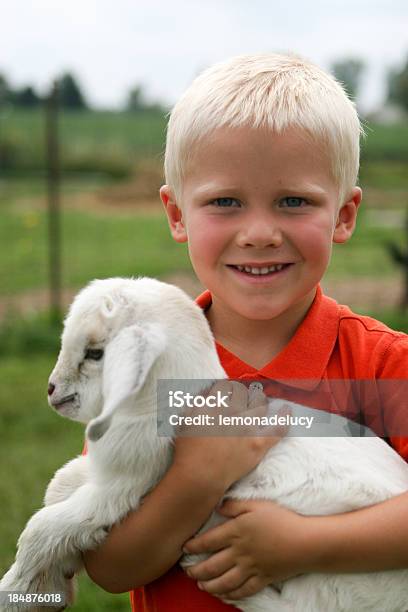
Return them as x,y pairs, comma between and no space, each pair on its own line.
95,354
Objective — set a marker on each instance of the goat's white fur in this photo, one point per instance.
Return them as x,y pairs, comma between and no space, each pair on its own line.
150,330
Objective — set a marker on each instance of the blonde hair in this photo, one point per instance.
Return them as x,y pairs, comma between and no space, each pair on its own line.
273,91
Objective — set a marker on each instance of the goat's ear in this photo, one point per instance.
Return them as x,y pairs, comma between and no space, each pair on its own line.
128,360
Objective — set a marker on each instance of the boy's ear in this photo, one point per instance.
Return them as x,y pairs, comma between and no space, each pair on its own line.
174,214
347,216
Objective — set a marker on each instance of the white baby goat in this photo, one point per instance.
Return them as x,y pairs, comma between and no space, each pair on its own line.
120,337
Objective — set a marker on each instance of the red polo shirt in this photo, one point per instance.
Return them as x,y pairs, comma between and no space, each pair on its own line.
331,347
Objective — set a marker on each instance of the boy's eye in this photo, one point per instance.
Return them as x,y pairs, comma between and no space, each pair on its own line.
292,202
225,202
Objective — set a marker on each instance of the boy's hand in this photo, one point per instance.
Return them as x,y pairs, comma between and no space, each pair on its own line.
221,455
262,543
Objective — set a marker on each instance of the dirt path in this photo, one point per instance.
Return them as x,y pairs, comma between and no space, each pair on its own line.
358,293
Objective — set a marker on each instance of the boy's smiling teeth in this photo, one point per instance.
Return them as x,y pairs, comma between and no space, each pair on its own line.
260,269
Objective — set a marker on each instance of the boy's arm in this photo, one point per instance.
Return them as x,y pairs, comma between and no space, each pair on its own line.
366,540
149,541
265,543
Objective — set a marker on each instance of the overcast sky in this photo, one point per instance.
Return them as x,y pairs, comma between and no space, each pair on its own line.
111,45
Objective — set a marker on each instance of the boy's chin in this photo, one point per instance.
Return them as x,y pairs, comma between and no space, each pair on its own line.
269,308
262,312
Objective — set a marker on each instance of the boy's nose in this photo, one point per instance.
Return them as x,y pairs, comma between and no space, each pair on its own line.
260,234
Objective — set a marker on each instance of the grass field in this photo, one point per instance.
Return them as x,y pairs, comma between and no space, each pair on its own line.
104,241
93,245
100,142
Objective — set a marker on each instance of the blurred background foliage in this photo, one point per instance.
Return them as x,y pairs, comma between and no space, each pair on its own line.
112,224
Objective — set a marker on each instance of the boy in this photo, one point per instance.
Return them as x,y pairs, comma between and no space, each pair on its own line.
261,166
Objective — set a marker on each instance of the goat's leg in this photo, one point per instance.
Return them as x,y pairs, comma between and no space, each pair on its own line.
67,480
49,547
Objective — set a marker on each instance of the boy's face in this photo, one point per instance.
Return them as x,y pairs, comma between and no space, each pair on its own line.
260,213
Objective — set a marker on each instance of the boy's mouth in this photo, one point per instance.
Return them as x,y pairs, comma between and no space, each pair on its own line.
260,270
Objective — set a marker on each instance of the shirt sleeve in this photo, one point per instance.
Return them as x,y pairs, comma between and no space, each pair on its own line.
392,385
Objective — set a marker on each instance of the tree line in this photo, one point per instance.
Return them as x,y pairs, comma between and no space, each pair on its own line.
70,96
348,71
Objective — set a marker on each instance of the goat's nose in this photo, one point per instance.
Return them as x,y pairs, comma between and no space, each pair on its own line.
51,388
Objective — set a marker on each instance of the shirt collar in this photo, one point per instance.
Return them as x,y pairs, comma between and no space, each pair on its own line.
304,360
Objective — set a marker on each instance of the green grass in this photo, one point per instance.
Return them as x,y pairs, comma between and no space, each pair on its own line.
384,174
30,335
26,190
385,143
93,245
90,141
365,254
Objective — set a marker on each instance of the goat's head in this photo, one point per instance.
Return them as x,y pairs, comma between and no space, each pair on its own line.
115,332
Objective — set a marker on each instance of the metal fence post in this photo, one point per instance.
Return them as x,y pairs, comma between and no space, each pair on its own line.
53,192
